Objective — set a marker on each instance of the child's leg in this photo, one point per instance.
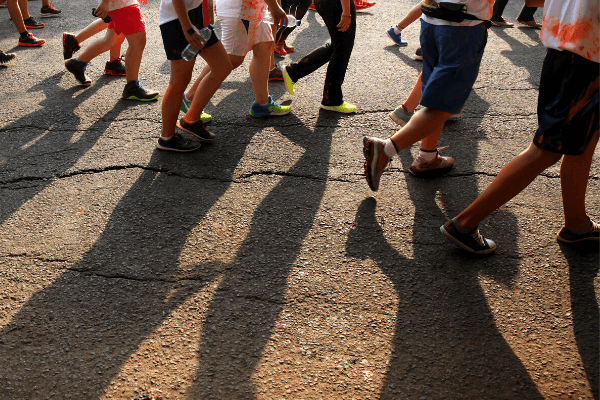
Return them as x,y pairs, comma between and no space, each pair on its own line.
97,26
45,2
181,74
15,13
411,17
99,46
133,57
235,61
115,50
219,68
414,98
259,70
24,9
574,176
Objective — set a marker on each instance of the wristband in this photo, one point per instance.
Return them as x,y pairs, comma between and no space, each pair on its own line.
191,31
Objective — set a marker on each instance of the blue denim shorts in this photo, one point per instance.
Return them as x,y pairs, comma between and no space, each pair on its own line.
174,39
451,59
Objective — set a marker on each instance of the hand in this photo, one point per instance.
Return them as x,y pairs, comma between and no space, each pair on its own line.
102,10
345,22
279,16
195,40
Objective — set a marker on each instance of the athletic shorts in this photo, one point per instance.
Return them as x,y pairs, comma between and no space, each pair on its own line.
174,39
127,20
239,35
451,59
568,103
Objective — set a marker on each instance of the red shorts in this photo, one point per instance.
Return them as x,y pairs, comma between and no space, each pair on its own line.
127,20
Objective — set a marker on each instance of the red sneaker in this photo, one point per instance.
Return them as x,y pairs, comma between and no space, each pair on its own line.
312,6
280,50
362,4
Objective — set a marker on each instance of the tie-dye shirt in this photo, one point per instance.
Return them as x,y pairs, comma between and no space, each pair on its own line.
572,25
167,12
116,4
482,9
250,10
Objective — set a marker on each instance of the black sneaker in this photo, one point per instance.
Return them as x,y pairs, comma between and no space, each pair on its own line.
31,23
30,41
134,91
418,55
6,57
116,67
70,45
472,241
567,236
49,11
178,143
77,68
197,129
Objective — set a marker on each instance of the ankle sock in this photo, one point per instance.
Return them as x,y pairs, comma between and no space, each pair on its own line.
390,149
579,231
166,138
397,29
24,34
427,155
459,228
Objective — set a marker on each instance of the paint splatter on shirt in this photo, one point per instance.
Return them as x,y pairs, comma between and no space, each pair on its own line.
249,10
572,25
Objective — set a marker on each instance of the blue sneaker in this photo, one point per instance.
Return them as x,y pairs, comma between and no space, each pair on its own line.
400,116
396,38
185,106
271,108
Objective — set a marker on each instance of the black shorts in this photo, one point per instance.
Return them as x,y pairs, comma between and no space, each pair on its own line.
174,39
568,103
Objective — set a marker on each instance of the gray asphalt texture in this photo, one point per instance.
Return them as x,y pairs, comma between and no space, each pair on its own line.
262,266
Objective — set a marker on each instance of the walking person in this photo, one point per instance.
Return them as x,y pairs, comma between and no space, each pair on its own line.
19,13
525,16
297,8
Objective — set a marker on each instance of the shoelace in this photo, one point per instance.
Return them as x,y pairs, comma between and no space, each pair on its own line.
478,238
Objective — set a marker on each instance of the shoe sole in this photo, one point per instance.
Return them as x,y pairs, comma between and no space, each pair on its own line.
402,44
203,140
462,245
275,79
589,239
158,146
9,60
138,99
270,114
34,27
338,111
110,73
31,44
430,173
49,15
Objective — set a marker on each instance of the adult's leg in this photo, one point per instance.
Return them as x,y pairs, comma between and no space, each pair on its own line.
181,74
259,70
414,97
427,124
499,7
15,13
24,9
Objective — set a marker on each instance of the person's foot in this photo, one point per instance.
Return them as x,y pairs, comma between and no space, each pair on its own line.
568,236
289,83
116,67
6,57
396,37
531,24
418,54
376,161
49,11
185,106
344,108
271,108
400,117
279,49
275,74
312,6
197,129
30,41
31,23
502,23
438,165
363,4
77,68
178,143
288,49
70,45
135,91
471,241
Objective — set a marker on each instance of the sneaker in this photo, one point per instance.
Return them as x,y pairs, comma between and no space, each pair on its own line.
472,241
31,23
418,54
197,129
567,236
288,49
185,106
502,23
271,108
31,41
438,165
400,117
363,4
376,161
116,67
344,108
178,143
275,74
280,50
312,6
135,91
6,57
77,68
289,84
49,11
531,24
396,38
70,45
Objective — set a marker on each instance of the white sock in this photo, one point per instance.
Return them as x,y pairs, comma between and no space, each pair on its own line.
166,138
427,155
390,149
397,30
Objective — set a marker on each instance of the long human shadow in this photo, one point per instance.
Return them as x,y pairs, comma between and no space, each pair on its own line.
584,265
523,55
251,294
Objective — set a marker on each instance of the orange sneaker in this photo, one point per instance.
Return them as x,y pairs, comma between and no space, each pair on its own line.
279,49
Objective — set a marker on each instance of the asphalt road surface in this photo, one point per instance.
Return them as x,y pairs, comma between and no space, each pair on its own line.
262,266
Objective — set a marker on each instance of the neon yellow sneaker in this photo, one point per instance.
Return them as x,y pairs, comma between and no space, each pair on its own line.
289,84
185,106
345,108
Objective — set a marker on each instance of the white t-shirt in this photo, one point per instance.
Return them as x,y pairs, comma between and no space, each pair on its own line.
167,12
572,25
117,4
482,9
250,10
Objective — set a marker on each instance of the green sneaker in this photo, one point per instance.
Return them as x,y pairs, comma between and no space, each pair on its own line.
185,106
271,108
289,84
345,108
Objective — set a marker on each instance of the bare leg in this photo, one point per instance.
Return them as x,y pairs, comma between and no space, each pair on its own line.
236,61
97,26
15,13
414,98
411,17
115,50
426,124
99,46
574,176
133,57
512,179
24,9
181,74
259,70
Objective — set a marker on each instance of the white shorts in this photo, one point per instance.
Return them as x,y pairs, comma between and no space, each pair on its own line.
238,40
